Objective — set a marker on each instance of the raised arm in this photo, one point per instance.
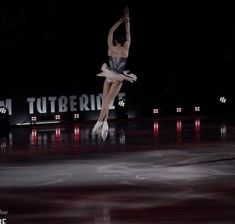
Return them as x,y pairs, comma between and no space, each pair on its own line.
128,33
126,19
111,31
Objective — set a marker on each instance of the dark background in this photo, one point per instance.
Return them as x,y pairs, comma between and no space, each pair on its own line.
182,53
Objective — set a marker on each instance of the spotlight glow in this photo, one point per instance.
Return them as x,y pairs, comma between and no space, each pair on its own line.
155,111
222,99
3,110
33,118
121,103
57,117
178,109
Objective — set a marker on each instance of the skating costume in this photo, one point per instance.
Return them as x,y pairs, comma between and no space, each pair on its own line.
117,65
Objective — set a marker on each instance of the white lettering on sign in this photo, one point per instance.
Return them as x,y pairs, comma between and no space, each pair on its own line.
62,104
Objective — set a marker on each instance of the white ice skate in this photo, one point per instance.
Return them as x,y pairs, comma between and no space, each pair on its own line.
105,130
97,128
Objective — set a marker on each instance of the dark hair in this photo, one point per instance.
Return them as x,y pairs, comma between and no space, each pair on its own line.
120,39
120,35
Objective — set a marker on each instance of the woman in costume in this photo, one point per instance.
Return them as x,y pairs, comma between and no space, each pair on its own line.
118,51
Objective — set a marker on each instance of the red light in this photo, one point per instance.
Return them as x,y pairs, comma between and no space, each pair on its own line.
179,126
156,127
57,134
197,124
197,129
179,130
34,136
156,130
76,133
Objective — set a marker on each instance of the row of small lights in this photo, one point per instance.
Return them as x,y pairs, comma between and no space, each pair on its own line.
222,99
121,103
178,110
57,117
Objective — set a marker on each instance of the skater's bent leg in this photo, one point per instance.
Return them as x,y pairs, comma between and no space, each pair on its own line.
106,88
113,92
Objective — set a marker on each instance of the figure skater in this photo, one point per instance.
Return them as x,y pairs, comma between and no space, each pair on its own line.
118,51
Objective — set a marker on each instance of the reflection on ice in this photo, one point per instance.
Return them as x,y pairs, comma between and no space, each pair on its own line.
223,131
160,131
